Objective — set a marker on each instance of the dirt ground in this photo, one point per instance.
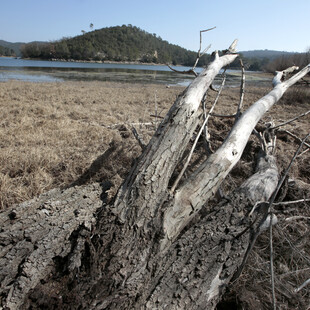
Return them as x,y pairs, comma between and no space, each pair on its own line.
59,134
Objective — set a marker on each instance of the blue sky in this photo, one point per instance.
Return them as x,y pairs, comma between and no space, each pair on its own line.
260,24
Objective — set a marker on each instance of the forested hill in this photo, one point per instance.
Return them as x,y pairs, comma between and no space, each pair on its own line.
10,49
120,43
132,44
6,51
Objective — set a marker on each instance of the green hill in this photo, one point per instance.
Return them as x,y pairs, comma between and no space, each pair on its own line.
10,49
120,43
132,44
6,51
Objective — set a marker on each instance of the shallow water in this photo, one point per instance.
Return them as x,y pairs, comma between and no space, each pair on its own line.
58,71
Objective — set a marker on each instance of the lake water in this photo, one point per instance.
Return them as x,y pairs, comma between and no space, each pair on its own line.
58,71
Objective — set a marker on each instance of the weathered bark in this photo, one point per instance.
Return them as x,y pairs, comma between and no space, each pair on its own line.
149,248
208,254
36,235
199,264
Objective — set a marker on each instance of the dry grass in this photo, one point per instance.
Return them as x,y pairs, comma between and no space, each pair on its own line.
51,133
54,135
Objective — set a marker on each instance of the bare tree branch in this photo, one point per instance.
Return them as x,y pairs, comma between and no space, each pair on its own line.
294,136
274,302
280,75
297,217
285,203
302,153
223,116
188,201
138,138
205,128
286,171
302,286
291,120
240,105
152,115
190,71
131,124
199,54
197,138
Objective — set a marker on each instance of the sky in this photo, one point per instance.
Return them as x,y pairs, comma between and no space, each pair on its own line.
282,25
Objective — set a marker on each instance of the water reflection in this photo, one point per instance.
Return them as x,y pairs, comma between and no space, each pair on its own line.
50,74
57,71
18,62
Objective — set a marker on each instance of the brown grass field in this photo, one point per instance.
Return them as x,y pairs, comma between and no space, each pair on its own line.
59,134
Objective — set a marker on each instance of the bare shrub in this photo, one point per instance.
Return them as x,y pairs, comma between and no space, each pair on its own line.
296,95
283,62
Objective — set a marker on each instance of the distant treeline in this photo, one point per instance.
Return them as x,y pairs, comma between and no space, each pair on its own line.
273,64
120,43
6,51
130,43
283,62
251,63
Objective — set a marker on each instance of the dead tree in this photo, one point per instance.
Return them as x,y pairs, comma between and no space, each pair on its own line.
151,247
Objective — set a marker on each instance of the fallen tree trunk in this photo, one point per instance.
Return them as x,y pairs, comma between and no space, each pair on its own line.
39,264
69,250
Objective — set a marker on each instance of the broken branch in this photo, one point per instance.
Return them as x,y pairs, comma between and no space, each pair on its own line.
188,201
280,75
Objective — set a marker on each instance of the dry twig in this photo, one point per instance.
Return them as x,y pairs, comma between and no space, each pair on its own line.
223,115
302,286
271,214
287,170
240,105
285,203
294,136
297,217
199,54
130,124
138,138
291,120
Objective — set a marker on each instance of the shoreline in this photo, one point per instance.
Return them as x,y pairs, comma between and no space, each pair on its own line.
97,61
117,62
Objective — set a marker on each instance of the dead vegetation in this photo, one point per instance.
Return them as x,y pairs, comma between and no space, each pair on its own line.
55,135
51,133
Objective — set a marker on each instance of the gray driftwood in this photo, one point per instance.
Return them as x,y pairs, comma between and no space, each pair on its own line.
150,248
